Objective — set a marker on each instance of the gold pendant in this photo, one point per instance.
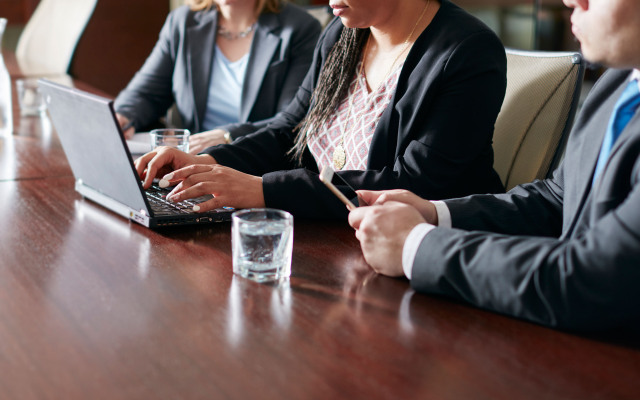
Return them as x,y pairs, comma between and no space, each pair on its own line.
339,157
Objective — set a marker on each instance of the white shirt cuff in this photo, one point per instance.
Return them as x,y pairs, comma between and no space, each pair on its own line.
418,233
444,215
411,244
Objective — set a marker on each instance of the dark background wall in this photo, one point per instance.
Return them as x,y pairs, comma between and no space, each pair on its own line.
121,33
116,41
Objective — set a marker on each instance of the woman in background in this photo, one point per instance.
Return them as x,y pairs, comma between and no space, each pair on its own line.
223,63
401,94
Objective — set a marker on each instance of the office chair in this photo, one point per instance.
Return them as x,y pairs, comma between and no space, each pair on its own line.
543,89
323,14
49,38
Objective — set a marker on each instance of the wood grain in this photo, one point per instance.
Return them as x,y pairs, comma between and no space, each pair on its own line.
93,306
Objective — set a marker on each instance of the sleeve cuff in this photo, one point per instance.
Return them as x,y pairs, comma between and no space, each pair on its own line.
444,216
411,244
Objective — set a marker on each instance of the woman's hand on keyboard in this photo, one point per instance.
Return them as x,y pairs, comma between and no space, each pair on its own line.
163,160
229,187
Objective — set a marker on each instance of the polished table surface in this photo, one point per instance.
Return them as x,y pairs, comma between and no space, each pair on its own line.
33,151
93,306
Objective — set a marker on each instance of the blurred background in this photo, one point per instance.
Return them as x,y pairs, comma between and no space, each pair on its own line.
121,33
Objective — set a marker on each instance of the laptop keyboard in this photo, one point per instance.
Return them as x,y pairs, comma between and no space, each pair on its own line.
157,197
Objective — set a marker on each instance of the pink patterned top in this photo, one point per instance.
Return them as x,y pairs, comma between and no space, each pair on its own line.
358,130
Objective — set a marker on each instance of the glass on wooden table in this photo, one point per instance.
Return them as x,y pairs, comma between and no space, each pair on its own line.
178,138
262,244
6,110
30,99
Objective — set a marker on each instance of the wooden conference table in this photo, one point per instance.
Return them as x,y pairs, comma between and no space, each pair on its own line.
95,307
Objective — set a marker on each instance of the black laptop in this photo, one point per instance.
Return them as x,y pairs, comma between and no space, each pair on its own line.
102,164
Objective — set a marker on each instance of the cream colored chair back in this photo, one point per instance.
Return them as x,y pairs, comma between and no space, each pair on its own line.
322,13
49,39
543,89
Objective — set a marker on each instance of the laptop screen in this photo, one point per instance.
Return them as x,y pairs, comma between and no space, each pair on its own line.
91,139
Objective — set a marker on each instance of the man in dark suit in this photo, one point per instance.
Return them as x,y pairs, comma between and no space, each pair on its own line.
563,252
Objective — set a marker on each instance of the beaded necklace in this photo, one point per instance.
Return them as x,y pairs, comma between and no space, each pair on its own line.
222,31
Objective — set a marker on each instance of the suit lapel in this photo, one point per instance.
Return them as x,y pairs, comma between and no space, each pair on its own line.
201,49
263,48
590,148
627,133
583,165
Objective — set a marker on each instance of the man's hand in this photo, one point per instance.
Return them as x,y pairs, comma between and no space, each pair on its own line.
425,207
202,140
382,231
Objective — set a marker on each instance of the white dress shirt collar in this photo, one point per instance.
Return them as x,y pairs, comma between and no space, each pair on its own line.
636,75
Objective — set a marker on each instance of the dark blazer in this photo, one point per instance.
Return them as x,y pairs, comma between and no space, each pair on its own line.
434,138
179,68
575,262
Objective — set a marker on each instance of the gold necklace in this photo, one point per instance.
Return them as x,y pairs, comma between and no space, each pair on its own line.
339,153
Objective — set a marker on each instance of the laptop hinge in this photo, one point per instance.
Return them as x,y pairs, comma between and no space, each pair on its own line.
140,217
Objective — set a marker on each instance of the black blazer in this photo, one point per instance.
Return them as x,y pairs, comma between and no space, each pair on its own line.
576,260
179,68
434,138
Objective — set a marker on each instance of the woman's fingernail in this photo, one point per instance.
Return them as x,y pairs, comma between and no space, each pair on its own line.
196,208
163,183
168,176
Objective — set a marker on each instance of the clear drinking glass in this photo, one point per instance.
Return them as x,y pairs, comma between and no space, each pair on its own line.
6,111
178,138
30,98
262,244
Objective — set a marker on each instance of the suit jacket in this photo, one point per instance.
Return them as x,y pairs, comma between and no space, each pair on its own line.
179,68
564,253
434,138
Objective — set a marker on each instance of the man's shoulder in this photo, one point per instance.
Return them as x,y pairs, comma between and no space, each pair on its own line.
611,79
601,93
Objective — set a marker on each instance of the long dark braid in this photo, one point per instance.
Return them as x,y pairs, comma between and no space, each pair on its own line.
333,84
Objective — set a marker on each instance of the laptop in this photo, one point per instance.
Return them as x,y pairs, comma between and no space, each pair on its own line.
102,164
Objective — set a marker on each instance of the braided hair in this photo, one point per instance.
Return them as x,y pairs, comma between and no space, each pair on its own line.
333,84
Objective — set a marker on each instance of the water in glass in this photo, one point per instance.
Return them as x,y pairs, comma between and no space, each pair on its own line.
262,248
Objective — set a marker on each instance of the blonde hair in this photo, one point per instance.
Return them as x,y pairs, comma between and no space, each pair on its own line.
262,6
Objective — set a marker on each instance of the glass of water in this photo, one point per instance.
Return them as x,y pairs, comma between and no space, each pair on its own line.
262,244
178,138
30,98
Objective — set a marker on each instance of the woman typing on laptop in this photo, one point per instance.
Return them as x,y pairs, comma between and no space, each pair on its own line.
401,94
222,62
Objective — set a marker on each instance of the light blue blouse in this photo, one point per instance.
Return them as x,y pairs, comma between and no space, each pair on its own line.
225,91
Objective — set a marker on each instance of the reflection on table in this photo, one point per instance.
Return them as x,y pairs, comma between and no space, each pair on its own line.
94,306
33,150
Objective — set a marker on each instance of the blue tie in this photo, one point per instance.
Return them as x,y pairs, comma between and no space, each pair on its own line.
622,114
